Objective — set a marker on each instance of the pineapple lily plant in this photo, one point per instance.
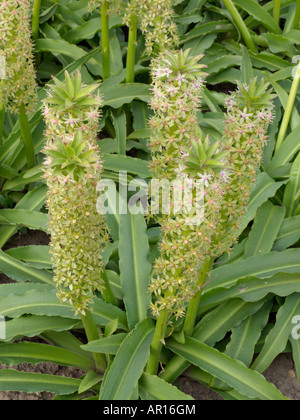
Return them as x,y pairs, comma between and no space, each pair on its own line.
194,276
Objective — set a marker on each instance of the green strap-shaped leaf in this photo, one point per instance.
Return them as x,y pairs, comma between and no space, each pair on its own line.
127,367
66,340
59,46
43,301
91,379
116,96
264,230
88,29
19,271
107,345
296,351
292,189
261,266
129,164
37,256
259,13
120,125
15,353
151,387
246,67
31,219
214,326
32,325
242,343
252,289
7,172
289,233
134,266
211,329
265,188
33,200
286,151
244,337
278,337
233,372
13,380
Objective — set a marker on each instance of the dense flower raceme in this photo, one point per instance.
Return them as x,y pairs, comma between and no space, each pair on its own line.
179,152
155,19
227,172
72,169
19,86
249,112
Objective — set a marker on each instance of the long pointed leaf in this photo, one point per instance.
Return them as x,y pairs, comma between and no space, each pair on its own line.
152,387
233,372
13,380
278,337
134,266
127,367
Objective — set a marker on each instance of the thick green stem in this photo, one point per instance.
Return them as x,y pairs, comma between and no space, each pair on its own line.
191,314
156,346
36,18
276,10
105,40
240,24
297,16
27,137
92,335
289,108
130,62
2,115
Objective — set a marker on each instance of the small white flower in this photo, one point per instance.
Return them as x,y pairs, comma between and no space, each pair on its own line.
167,71
205,178
180,78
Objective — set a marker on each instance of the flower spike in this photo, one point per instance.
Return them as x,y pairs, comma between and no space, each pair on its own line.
72,169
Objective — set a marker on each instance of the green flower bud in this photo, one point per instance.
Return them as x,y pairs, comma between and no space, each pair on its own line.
72,170
19,86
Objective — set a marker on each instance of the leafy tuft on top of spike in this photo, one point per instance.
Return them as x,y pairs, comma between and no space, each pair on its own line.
204,157
70,158
181,66
73,95
254,96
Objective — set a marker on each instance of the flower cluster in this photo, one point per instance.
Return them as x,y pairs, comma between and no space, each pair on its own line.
177,83
249,112
72,170
156,22
179,152
225,170
155,19
19,86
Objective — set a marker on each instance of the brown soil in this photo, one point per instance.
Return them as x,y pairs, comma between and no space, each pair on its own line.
281,373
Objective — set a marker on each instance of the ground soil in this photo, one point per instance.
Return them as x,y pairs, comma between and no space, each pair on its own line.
281,373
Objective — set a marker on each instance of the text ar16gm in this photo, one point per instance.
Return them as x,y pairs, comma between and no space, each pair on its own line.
171,409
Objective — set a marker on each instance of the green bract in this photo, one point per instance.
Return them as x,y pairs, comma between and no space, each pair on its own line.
72,170
18,87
